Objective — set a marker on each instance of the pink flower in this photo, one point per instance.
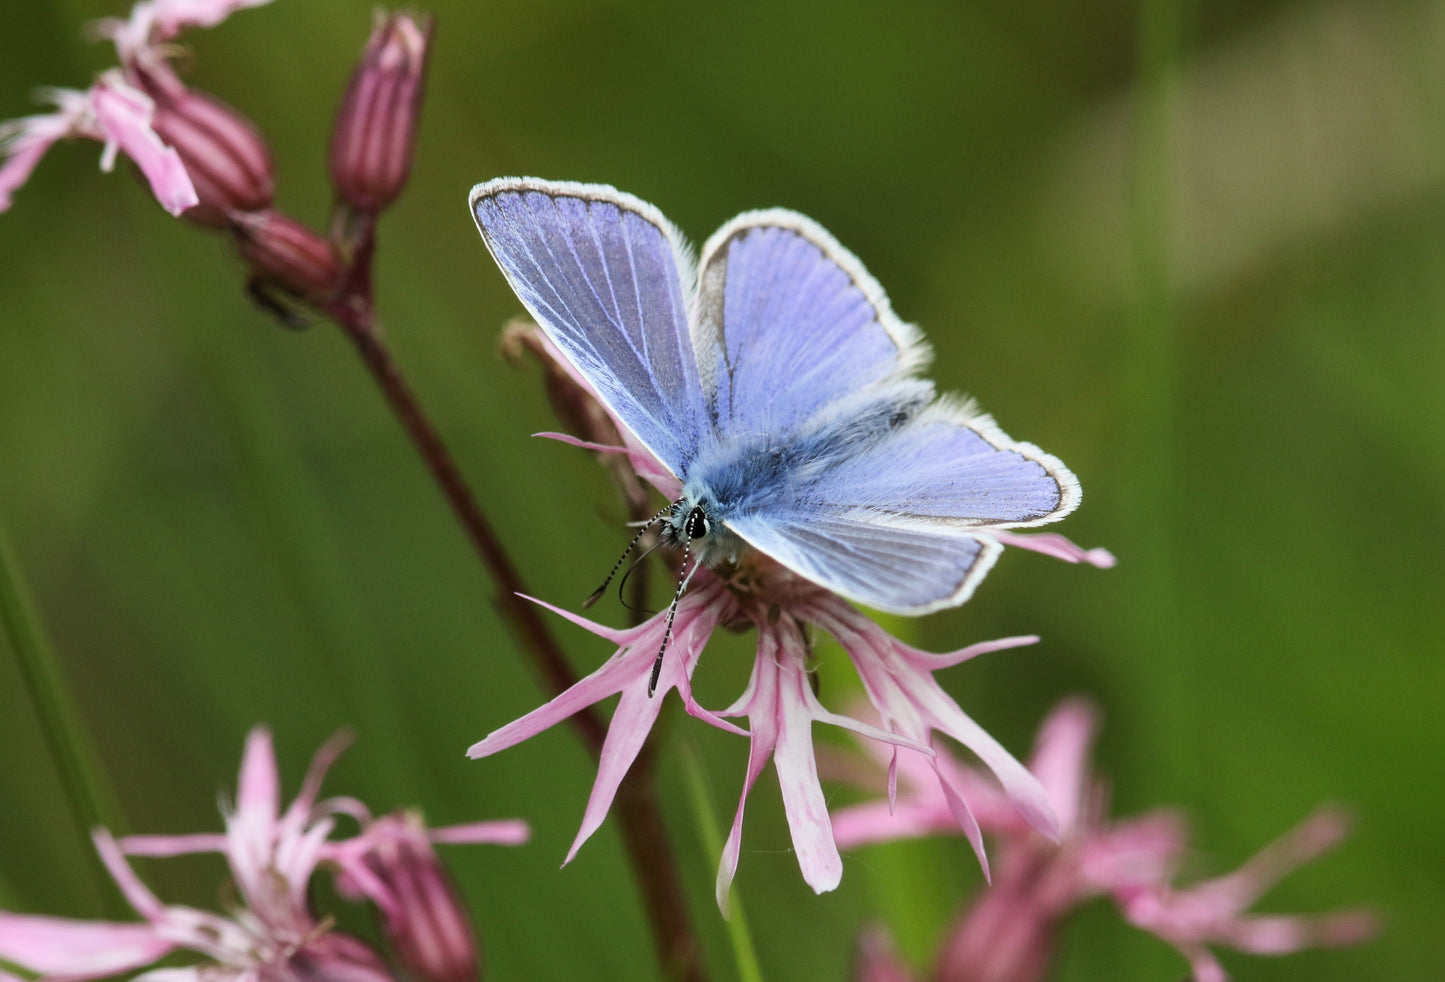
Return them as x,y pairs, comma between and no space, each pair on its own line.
1007,934
375,134
140,38
779,701
111,112
272,935
120,111
876,960
392,864
1216,911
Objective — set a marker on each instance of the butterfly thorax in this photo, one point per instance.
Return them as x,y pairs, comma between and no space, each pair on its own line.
772,473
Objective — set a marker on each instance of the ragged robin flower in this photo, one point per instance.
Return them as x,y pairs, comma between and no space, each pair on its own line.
272,934
201,158
779,702
1008,932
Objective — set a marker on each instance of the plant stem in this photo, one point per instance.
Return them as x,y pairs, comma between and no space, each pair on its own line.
644,834
744,952
645,837
88,796
1152,373
521,614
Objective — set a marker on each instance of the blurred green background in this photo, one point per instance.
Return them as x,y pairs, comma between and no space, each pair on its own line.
1195,251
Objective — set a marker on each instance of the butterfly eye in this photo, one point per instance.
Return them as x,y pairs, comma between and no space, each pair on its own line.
696,525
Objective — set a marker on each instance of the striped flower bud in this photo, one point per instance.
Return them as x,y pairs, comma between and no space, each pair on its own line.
375,135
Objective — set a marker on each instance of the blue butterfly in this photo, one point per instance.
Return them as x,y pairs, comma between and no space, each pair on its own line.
774,381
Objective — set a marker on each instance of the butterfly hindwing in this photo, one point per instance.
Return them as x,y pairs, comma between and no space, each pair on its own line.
902,570
608,279
950,467
889,525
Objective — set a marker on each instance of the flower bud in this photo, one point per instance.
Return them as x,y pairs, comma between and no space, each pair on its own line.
375,135
283,252
425,921
330,957
1010,930
223,151
225,155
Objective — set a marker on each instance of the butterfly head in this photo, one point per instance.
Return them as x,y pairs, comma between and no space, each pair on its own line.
693,524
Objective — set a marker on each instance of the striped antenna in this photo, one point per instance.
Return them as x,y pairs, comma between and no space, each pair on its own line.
682,582
597,594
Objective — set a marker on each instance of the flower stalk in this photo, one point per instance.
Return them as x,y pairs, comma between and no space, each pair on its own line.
87,793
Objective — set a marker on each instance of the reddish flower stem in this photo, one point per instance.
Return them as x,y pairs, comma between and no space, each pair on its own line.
523,616
644,834
648,849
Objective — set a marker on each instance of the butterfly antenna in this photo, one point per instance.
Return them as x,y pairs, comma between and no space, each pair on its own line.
682,582
597,594
622,583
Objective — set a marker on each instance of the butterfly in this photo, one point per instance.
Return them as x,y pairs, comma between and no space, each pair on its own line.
771,377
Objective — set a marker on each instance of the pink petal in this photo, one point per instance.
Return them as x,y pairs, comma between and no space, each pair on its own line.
135,892
807,810
899,682
299,812
19,164
605,681
1131,855
293,861
893,780
873,822
1056,545
628,668
952,658
1316,835
573,441
803,801
1282,934
822,715
1062,752
761,691
631,722
506,832
195,973
1204,967
172,845
637,711
258,789
619,637
171,17
124,117
1023,789
78,949
877,959
24,141
963,815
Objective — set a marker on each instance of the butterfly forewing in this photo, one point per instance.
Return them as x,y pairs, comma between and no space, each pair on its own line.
603,274
789,322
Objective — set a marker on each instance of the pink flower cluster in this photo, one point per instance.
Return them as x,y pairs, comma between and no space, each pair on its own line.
272,935
119,109
207,162
1007,934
